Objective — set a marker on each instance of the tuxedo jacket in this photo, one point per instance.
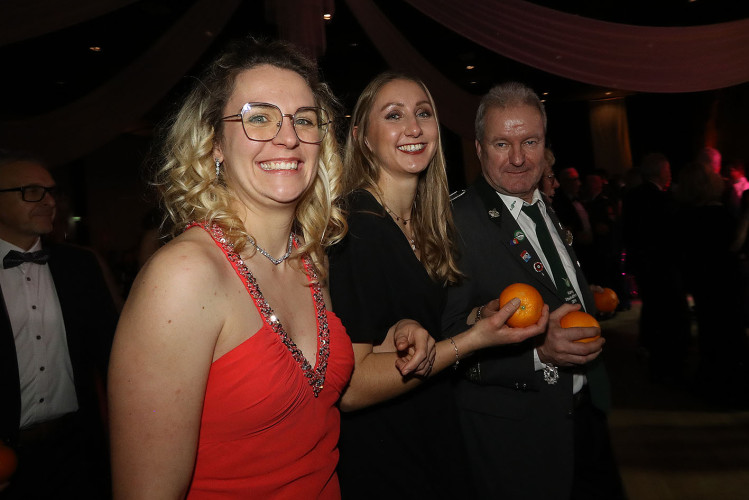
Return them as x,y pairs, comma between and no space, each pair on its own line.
525,424
90,318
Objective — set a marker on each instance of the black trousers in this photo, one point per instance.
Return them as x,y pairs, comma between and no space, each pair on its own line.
596,474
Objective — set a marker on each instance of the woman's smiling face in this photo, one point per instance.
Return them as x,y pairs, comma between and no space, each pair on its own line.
278,171
402,130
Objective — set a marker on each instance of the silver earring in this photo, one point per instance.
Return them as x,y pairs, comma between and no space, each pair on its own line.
218,167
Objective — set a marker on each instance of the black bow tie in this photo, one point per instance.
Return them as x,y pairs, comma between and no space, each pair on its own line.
15,258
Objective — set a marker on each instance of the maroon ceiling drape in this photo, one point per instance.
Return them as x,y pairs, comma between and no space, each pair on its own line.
618,56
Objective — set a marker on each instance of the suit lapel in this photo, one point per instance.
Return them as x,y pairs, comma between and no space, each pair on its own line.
512,237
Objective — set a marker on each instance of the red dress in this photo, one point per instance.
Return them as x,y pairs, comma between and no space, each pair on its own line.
270,427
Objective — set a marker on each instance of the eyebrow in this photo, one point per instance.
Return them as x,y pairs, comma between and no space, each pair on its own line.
403,105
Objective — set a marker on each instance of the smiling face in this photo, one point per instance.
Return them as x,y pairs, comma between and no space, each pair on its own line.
512,150
402,130
273,173
22,222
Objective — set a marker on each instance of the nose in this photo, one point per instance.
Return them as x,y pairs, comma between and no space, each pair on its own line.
286,135
49,199
413,129
516,157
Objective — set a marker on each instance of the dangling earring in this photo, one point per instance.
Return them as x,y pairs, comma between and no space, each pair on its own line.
218,167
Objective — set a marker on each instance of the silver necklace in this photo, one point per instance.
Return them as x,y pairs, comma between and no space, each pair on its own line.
411,240
396,216
264,252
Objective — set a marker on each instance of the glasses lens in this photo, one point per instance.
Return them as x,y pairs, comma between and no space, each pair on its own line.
311,124
261,121
33,193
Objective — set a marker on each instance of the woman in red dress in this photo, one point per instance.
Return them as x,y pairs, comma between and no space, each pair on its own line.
227,361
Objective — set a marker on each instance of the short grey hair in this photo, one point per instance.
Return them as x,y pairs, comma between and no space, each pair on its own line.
506,95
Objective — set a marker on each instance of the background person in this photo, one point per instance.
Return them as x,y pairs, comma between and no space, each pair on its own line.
57,319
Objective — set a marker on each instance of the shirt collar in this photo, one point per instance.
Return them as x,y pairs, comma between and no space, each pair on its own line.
515,205
6,247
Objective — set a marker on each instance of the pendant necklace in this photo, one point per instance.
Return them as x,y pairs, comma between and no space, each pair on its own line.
403,221
264,252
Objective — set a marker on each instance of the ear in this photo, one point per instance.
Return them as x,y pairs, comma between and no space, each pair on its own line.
217,153
355,131
478,148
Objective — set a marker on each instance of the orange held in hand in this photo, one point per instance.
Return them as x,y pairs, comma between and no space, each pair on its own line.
531,304
8,462
606,301
580,319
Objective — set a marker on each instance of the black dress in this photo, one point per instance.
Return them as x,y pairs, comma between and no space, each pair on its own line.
408,447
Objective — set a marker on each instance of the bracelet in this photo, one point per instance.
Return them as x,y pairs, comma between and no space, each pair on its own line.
478,314
457,356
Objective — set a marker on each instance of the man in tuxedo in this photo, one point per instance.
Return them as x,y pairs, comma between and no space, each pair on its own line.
57,319
532,414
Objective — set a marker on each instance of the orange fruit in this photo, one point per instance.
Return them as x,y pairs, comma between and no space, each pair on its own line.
580,319
531,304
606,301
8,462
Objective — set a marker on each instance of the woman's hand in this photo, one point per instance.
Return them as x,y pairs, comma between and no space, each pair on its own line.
415,347
491,329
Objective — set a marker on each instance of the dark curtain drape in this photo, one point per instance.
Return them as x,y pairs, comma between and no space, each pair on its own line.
108,111
456,107
25,19
619,56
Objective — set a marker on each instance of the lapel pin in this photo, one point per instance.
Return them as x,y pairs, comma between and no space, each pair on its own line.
525,256
538,266
493,213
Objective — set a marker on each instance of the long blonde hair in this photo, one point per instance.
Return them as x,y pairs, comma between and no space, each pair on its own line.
186,176
431,216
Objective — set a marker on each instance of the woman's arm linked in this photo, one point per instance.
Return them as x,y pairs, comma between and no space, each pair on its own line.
379,376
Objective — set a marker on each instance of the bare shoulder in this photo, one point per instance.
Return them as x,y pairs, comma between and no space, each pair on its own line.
180,285
190,259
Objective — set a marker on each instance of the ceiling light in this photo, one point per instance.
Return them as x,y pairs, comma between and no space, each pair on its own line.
470,67
544,93
609,93
95,48
327,17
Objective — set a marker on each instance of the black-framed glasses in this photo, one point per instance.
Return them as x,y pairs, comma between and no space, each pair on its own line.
262,121
32,193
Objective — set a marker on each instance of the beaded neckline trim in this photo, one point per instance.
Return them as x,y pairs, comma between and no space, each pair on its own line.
315,376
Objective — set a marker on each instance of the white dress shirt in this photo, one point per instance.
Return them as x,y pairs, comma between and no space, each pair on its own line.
44,367
515,207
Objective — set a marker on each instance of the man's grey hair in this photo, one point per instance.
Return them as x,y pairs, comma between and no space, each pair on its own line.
506,95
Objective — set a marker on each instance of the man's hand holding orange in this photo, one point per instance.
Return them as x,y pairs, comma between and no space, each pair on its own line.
561,347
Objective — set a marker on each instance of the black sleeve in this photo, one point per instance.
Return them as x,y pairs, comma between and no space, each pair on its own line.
359,280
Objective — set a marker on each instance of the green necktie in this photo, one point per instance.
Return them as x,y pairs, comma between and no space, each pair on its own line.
561,280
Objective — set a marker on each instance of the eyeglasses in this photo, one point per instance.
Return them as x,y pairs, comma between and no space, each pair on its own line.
262,122
32,193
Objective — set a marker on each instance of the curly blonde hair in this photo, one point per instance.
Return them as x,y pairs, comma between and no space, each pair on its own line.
186,176
432,215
